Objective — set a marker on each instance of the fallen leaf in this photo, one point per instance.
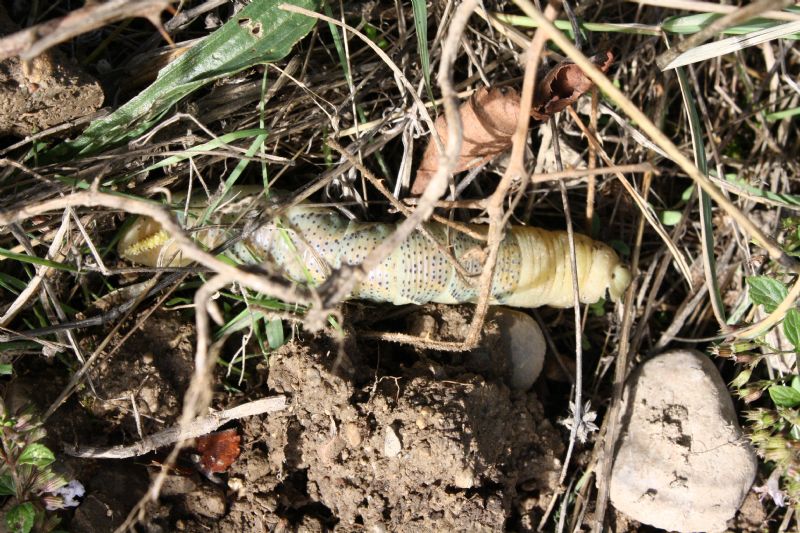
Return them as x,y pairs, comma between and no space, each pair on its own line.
489,117
217,450
563,85
488,120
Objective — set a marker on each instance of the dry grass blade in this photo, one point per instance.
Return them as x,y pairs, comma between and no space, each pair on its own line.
669,59
641,203
167,437
714,7
732,44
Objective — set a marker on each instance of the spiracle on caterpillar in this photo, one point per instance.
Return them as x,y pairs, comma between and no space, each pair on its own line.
533,264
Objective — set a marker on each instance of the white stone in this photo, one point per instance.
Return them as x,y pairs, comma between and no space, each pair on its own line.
523,343
391,443
683,463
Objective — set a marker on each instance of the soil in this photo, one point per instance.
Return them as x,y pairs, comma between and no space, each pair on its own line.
50,91
376,437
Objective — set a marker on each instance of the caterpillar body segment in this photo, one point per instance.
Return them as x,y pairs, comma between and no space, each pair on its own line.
532,270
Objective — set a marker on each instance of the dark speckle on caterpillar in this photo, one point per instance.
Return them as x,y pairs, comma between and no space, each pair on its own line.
533,266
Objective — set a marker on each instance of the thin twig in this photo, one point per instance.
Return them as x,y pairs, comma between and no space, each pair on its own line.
33,41
514,173
198,427
577,412
162,216
713,7
604,448
341,283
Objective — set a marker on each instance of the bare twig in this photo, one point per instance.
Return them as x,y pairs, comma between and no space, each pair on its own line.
31,42
714,7
342,282
577,412
514,173
162,216
196,428
604,448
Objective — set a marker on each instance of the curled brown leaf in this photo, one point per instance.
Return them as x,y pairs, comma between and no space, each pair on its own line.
489,117
563,85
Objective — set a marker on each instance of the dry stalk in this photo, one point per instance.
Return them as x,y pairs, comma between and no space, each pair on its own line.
514,173
659,138
342,282
187,246
680,260
378,184
198,427
604,447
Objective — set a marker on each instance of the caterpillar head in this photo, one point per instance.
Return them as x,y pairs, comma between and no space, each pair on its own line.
146,243
620,279
606,274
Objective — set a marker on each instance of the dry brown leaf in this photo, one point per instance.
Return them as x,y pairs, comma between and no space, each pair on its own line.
563,85
488,120
489,117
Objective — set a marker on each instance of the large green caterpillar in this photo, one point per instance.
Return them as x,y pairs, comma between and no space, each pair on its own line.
533,265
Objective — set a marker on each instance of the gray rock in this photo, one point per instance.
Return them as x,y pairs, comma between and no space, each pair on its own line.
523,343
683,463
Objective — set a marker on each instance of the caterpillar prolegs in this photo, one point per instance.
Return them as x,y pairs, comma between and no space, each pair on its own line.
533,265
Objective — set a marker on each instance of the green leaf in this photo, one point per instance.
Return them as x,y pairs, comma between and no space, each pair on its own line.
784,396
262,32
742,378
20,518
791,328
796,383
37,455
6,369
275,333
766,291
7,485
782,114
670,218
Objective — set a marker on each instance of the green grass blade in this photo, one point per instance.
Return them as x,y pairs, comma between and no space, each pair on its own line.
741,187
694,23
706,225
259,33
23,258
421,27
213,144
782,114
338,43
523,21
234,175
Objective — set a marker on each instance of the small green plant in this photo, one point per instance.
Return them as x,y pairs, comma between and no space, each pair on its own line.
26,475
774,426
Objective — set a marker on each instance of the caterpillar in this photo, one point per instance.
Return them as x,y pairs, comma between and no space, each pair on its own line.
308,242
